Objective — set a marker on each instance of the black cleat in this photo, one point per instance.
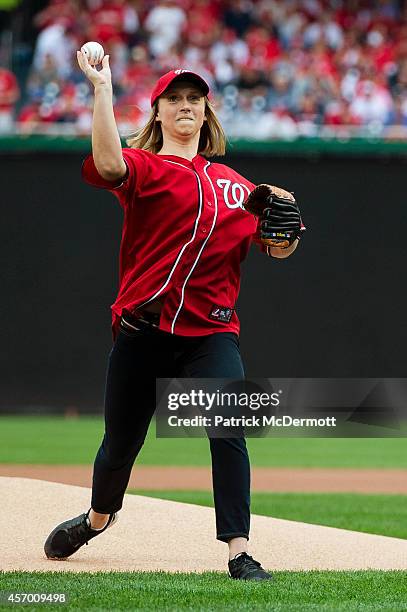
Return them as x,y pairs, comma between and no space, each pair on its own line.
69,536
244,567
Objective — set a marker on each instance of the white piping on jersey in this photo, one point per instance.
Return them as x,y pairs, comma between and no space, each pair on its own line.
178,164
201,249
157,293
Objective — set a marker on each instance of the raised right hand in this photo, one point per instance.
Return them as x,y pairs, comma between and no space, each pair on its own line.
96,77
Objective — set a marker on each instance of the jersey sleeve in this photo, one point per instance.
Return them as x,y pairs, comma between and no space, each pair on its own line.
249,186
128,186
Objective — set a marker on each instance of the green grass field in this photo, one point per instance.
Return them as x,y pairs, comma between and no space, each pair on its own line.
58,440
380,514
289,592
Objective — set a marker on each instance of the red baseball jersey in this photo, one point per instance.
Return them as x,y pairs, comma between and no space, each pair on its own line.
185,233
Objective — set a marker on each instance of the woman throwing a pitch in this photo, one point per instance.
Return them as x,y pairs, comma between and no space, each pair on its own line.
185,232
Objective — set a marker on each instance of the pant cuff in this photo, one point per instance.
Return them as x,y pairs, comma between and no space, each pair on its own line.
106,511
225,537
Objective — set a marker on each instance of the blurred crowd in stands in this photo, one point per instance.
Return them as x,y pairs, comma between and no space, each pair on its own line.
277,68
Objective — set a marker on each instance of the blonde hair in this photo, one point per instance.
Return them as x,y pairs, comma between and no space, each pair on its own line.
212,139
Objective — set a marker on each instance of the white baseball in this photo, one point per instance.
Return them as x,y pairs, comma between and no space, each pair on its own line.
94,52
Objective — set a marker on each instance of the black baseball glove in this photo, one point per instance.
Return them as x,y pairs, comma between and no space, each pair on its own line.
280,218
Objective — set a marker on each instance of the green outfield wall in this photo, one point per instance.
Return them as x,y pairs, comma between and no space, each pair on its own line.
300,147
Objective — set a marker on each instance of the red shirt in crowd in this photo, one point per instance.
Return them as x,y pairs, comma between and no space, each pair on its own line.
185,233
9,90
107,22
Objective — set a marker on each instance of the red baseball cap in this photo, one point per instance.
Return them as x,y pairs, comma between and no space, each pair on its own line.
166,80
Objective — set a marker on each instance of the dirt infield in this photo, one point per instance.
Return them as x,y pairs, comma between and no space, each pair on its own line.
154,534
315,480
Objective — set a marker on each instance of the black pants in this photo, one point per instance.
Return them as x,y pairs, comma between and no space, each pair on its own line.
136,360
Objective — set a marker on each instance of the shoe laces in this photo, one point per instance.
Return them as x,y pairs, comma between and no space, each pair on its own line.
245,557
79,531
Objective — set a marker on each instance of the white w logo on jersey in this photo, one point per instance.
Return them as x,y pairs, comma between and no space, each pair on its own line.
237,191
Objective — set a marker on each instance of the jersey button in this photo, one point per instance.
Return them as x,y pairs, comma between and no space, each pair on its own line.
209,203
204,230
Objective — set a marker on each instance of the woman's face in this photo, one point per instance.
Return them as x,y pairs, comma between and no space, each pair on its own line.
181,110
